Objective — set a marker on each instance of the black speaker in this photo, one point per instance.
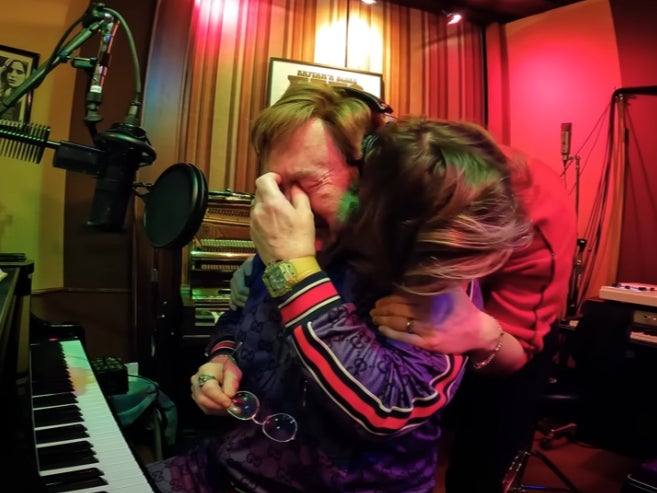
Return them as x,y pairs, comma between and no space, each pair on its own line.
617,380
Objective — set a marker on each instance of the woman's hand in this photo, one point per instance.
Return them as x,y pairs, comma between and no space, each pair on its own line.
239,291
446,323
215,384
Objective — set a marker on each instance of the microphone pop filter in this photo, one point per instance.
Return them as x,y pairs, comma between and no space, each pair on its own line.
175,206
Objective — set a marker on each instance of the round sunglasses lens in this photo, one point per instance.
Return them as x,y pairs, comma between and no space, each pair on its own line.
245,405
280,427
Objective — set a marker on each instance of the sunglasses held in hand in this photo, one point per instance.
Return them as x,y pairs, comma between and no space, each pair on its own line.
280,427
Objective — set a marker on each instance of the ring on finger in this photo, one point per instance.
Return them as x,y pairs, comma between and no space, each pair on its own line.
203,379
409,326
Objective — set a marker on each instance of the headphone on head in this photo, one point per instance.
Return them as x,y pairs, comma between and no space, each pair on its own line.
350,202
376,105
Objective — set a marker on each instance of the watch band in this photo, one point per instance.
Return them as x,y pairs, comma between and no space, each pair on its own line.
281,276
305,266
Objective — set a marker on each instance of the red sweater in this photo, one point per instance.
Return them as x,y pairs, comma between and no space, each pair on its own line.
529,293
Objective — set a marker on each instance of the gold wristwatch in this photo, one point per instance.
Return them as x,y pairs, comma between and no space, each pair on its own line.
282,275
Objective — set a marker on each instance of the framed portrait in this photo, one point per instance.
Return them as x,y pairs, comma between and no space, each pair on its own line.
283,72
16,66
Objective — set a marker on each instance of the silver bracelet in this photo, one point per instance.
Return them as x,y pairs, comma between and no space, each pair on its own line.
487,360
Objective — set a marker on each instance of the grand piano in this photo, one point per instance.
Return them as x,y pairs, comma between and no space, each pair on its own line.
59,433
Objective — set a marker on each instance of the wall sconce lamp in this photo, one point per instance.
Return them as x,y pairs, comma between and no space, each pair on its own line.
453,18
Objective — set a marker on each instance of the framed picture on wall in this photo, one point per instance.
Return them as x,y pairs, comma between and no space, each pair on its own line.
283,72
16,65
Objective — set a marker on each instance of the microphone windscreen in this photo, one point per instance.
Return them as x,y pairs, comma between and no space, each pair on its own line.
25,141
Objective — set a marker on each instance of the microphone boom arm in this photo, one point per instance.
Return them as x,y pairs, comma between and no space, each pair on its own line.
117,153
45,68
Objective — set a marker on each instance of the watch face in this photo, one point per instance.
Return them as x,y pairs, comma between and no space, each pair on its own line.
279,278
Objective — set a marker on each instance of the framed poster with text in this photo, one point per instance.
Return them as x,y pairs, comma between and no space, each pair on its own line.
283,72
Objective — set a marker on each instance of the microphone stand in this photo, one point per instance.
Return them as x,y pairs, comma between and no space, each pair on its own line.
68,155
574,283
97,21
120,150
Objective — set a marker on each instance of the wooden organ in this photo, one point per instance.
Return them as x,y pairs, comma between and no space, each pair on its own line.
220,246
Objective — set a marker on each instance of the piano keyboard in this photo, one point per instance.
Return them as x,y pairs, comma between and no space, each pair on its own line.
644,335
80,446
631,292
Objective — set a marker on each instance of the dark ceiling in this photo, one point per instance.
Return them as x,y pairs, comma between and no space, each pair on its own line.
487,11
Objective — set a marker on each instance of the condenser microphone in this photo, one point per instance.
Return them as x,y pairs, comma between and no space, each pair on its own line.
566,133
95,93
126,149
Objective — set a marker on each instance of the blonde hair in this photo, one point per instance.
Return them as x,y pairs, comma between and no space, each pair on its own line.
348,119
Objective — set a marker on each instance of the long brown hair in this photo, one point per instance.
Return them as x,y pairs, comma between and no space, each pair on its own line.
436,208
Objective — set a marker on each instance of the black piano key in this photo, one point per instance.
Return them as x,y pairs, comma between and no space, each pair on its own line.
53,400
61,433
75,480
69,459
56,385
64,448
57,416
47,361
66,455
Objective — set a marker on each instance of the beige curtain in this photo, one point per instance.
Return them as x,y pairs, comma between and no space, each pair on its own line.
428,68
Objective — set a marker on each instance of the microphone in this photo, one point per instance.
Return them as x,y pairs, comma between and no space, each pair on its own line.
126,149
119,153
566,129
95,93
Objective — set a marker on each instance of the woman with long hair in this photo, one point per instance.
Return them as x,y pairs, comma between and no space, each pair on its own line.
12,74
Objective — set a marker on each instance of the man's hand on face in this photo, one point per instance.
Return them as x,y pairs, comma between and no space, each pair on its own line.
282,222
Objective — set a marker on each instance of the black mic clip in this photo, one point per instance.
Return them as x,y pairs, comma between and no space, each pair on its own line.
128,142
94,13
